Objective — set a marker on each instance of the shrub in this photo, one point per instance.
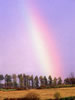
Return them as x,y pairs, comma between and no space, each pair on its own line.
68,98
57,96
32,96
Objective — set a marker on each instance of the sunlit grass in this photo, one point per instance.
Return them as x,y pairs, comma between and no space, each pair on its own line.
43,93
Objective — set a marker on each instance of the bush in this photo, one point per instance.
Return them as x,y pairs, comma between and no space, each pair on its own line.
57,96
68,98
32,96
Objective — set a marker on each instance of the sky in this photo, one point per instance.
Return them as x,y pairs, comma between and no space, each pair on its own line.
25,27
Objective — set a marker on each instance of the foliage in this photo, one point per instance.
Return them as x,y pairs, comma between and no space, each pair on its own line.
14,77
70,79
20,76
59,81
57,95
45,81
23,81
50,80
36,82
32,96
55,81
8,81
1,77
68,98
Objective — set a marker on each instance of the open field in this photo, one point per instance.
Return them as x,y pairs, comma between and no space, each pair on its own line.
44,93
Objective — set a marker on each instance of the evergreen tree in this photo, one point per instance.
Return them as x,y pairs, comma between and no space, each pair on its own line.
41,81
8,80
27,81
36,81
1,78
50,80
45,81
14,77
59,81
55,81
20,80
32,81
24,78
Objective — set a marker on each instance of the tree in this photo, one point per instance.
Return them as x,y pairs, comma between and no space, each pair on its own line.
20,80
8,81
14,77
27,81
24,78
59,81
32,81
45,81
36,81
70,79
41,81
1,78
72,75
55,81
50,80
67,81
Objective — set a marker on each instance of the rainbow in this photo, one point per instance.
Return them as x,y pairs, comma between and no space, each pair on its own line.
43,42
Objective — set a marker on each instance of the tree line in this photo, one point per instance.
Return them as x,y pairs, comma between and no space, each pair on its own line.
30,81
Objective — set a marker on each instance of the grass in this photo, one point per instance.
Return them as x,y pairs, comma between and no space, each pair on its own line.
7,89
44,93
